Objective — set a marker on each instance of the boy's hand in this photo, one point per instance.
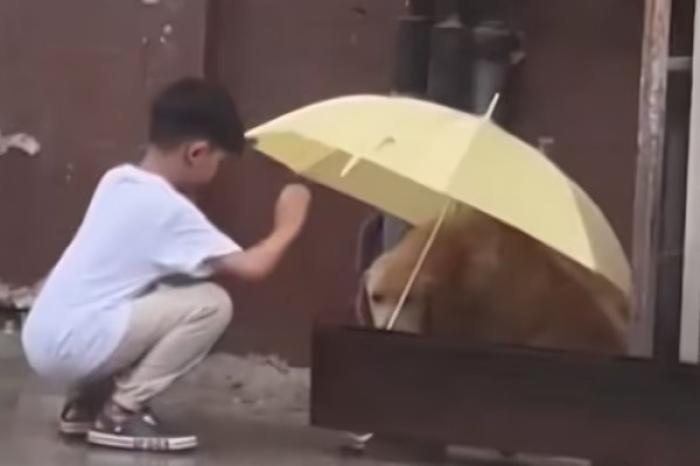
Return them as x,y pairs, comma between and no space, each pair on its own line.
292,209
257,262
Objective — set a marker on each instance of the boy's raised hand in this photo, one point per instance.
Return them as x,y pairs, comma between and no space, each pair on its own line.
258,261
292,209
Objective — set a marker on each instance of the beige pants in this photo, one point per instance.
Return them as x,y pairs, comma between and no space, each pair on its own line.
171,330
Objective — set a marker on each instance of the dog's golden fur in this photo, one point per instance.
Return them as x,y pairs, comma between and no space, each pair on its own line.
485,281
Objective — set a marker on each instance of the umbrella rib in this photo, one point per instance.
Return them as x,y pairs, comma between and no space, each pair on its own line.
485,118
419,264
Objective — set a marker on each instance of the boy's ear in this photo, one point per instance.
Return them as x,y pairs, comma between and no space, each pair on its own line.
196,149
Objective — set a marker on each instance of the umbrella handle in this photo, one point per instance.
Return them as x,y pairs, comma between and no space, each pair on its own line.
419,265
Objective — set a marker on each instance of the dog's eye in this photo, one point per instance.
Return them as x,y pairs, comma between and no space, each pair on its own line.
377,298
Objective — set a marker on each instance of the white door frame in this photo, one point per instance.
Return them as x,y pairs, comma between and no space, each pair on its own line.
689,351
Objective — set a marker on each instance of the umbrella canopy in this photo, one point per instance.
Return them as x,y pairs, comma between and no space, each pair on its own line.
408,157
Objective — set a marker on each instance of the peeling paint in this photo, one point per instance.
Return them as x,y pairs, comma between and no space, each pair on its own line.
70,169
21,141
360,11
14,297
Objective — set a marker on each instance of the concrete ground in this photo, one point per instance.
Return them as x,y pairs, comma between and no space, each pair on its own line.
233,403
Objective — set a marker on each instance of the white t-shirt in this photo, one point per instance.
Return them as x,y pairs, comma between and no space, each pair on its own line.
138,230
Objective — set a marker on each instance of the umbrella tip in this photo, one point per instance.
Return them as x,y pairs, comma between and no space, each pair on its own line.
349,166
492,106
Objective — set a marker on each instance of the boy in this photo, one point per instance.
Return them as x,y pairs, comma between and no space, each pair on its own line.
105,319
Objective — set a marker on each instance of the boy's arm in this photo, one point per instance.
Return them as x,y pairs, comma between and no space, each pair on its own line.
254,263
260,260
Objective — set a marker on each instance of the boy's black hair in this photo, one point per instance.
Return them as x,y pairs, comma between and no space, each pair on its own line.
192,108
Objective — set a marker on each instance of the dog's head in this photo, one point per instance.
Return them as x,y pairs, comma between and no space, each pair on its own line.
460,262
384,284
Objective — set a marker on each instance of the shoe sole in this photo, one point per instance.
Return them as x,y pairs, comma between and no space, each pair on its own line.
126,442
74,428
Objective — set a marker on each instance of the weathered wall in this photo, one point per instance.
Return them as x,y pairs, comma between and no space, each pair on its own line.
76,74
580,85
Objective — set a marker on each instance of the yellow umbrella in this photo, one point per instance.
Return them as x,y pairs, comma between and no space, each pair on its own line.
408,157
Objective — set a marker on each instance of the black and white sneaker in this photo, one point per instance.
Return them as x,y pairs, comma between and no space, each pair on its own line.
137,431
76,418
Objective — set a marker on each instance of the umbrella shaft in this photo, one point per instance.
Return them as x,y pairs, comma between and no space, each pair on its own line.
419,265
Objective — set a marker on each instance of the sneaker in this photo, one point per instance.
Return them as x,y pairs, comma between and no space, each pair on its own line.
136,431
76,418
